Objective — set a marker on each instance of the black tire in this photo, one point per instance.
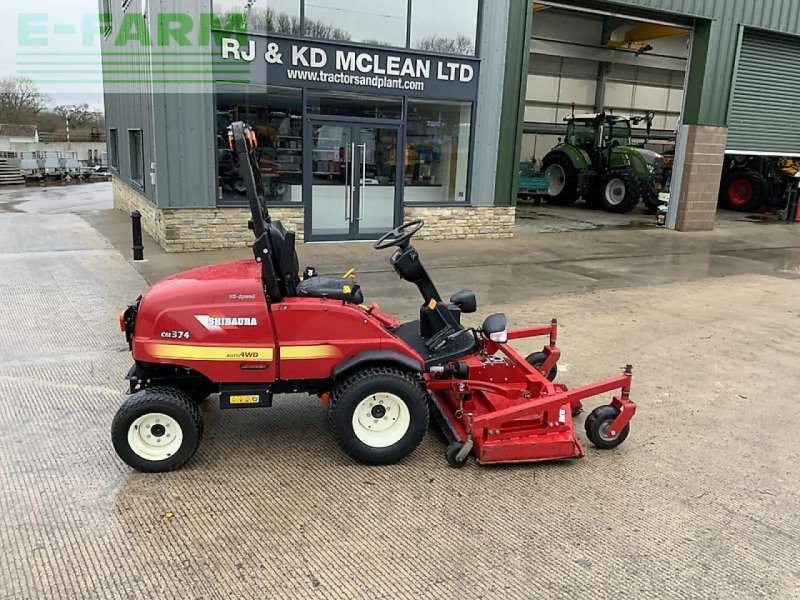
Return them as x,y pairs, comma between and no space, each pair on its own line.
451,455
569,193
743,190
650,197
596,426
624,203
537,359
163,400
358,386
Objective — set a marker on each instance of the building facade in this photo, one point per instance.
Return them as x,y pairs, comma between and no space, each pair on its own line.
365,116
372,112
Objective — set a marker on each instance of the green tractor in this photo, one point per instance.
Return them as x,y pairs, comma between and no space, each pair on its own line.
596,161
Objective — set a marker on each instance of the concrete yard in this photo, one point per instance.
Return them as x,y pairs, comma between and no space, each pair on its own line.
699,502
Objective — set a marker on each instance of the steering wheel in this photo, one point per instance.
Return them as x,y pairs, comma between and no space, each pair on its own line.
400,235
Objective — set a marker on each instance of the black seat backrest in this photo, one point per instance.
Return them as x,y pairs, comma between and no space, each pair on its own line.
284,257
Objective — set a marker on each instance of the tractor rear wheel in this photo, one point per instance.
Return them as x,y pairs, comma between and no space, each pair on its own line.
620,192
743,190
562,179
379,414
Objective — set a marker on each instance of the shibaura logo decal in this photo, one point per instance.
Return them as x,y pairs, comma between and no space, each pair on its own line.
218,324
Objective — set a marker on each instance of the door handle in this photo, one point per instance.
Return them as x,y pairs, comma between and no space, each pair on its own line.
351,198
363,190
348,201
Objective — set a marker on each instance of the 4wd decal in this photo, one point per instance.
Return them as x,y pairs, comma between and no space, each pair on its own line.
219,324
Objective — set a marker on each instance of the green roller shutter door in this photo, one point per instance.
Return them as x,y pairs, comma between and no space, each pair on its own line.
765,96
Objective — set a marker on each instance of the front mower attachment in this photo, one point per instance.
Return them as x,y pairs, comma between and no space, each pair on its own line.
505,410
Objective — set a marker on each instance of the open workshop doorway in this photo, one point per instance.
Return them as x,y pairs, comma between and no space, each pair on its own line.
604,102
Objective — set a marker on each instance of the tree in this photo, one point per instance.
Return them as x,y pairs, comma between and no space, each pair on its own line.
79,115
458,44
21,100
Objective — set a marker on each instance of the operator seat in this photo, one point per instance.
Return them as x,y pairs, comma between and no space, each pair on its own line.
287,267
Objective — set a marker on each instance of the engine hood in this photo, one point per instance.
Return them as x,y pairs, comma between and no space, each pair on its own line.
223,282
650,157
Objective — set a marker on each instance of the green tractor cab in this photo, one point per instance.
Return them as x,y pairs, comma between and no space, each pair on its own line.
596,161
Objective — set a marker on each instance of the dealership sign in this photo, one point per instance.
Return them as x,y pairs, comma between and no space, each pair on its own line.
290,62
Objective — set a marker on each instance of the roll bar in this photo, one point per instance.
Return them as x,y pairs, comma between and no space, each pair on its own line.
242,140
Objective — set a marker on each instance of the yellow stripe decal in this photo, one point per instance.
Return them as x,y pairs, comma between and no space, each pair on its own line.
214,353
309,352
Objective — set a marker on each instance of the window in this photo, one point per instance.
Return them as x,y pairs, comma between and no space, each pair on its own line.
276,116
437,151
376,22
105,18
354,105
136,143
113,148
445,26
261,16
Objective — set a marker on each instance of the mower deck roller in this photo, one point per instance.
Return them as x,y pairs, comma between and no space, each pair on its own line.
252,330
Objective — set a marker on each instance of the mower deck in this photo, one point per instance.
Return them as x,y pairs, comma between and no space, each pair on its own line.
506,411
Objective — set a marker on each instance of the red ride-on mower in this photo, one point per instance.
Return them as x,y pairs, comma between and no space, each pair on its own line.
253,328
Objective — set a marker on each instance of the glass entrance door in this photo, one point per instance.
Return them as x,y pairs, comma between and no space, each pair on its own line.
352,182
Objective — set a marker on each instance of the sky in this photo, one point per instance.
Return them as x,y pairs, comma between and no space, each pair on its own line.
54,43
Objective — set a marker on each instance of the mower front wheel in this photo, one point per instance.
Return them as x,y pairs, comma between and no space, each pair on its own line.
451,455
537,359
379,415
598,428
157,430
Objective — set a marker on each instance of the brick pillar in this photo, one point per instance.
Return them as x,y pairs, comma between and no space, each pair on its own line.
702,170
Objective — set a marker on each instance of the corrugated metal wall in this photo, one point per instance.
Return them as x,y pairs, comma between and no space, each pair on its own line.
177,120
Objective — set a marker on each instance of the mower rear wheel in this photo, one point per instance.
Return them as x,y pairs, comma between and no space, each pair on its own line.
598,425
537,359
379,415
157,430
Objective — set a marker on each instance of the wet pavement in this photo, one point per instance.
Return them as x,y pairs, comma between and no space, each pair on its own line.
699,502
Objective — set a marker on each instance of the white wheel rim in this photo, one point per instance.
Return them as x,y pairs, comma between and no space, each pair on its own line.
155,436
615,192
381,420
556,179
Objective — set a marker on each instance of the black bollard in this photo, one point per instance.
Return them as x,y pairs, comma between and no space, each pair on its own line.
138,247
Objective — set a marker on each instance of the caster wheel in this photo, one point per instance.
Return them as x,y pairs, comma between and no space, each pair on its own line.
537,359
451,455
598,425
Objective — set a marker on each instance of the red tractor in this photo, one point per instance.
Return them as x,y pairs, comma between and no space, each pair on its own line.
252,329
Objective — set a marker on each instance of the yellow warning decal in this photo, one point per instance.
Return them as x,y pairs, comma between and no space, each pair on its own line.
245,399
432,304
309,352
214,353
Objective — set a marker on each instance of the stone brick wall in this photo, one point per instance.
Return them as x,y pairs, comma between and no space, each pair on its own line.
196,229
463,222
705,153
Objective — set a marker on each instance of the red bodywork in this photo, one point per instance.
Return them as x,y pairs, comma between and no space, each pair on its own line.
217,321
295,339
